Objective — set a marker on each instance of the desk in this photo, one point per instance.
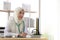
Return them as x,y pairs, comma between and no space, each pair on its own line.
23,39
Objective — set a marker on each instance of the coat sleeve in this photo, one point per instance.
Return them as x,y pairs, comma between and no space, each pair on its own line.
7,30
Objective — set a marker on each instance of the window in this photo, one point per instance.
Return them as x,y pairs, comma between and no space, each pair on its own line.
18,3
3,19
34,7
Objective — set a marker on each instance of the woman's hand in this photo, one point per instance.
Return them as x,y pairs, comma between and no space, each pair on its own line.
23,34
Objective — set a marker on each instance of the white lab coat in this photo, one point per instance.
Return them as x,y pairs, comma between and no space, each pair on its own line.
11,28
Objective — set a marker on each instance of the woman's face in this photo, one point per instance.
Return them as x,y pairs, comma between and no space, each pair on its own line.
20,14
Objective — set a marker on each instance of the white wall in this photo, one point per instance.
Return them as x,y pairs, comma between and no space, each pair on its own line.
58,11
49,18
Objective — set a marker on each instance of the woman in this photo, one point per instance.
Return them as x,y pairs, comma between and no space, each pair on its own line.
16,24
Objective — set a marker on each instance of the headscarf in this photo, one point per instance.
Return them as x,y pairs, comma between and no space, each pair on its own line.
16,12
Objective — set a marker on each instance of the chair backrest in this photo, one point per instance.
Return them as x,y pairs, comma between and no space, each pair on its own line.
2,29
26,19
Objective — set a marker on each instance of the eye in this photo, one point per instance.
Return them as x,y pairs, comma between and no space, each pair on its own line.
23,12
20,12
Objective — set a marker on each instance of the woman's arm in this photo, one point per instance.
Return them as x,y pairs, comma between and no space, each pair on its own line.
7,30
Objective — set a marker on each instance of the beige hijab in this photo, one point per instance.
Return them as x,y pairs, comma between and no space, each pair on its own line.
17,10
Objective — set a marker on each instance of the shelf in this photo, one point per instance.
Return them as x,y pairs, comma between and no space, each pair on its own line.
13,11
